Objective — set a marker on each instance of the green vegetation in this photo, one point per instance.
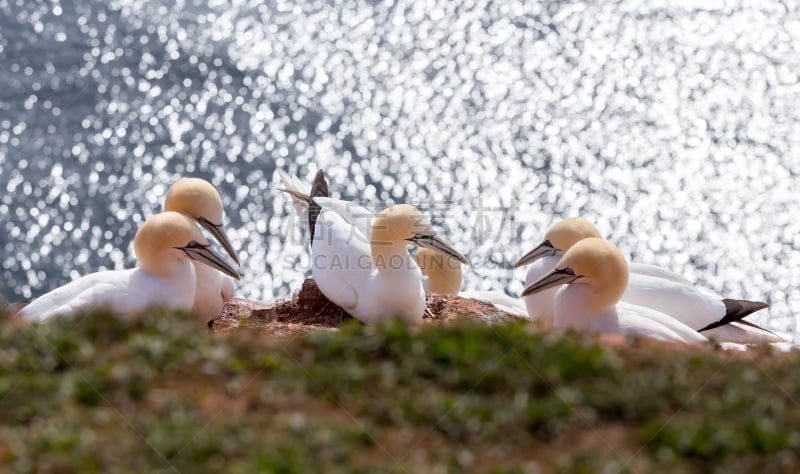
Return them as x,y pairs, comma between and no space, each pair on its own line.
99,394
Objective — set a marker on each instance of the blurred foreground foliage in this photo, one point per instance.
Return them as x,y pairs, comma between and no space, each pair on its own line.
101,394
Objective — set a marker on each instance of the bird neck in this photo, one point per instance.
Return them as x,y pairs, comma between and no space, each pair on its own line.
444,283
166,264
390,256
540,268
576,304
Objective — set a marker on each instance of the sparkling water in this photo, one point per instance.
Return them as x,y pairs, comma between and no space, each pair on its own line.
674,128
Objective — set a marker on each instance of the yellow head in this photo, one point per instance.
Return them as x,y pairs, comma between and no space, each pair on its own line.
564,234
400,225
594,262
171,236
444,272
559,238
199,199
196,197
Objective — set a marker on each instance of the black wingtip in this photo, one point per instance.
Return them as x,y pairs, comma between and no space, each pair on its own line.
736,310
319,188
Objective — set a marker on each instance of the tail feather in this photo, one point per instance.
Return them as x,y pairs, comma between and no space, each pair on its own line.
319,188
305,198
736,310
298,191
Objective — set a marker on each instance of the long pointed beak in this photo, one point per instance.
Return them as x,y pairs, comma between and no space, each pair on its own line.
218,231
545,249
435,243
556,277
204,254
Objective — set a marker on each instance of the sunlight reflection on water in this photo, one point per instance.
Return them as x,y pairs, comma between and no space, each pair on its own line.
674,129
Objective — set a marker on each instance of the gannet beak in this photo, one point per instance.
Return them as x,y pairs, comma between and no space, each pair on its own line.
204,254
218,231
435,243
545,249
557,277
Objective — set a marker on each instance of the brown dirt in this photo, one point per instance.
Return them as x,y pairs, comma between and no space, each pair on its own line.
311,310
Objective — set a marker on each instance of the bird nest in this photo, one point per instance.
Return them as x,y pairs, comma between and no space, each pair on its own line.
311,310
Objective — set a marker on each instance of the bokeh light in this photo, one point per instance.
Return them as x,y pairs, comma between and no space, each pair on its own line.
675,129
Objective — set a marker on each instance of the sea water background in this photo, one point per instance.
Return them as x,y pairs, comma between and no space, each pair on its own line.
674,127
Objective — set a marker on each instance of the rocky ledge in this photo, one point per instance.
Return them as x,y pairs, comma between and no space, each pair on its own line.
311,310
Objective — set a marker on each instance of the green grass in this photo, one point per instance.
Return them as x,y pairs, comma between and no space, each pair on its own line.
99,394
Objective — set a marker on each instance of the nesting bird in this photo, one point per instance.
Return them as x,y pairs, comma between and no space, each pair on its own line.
445,276
544,258
374,277
361,262
165,245
648,286
594,275
200,200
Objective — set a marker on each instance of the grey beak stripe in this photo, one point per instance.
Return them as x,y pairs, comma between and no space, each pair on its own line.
205,255
434,243
545,249
557,277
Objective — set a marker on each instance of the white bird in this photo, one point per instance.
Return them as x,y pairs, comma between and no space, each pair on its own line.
164,246
200,200
445,276
373,277
594,275
649,286
360,261
544,258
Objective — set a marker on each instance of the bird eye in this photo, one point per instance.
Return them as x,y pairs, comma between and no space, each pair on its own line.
193,245
568,271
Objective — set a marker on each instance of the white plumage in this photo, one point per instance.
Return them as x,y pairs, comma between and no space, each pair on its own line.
594,275
200,200
164,245
648,286
360,261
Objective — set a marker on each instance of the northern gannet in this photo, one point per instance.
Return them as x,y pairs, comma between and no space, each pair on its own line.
373,277
164,246
543,259
444,276
360,261
594,275
649,286
200,200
